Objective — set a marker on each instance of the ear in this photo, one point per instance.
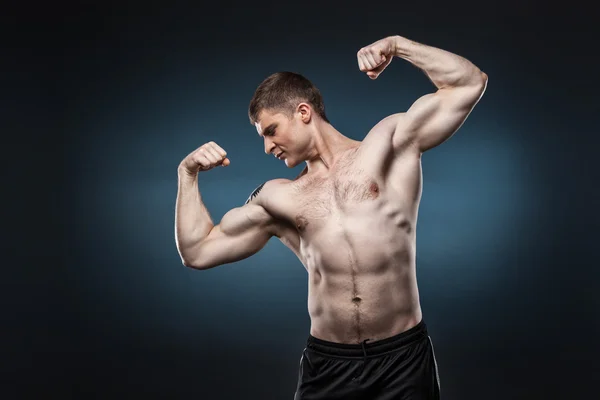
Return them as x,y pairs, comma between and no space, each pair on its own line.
304,111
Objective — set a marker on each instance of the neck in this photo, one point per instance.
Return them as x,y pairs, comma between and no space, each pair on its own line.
329,145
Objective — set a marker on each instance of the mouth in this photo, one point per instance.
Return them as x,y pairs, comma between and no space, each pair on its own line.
279,155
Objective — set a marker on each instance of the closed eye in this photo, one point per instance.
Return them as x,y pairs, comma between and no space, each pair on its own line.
270,130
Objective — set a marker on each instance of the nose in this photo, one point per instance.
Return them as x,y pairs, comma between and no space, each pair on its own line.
269,146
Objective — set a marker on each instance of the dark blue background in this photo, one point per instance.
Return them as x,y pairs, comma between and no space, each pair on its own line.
105,101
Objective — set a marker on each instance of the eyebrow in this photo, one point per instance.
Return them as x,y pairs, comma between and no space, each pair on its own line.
269,129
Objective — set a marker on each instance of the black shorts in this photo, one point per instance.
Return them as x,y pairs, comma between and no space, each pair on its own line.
399,367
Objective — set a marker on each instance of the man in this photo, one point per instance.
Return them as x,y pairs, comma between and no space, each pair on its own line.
350,217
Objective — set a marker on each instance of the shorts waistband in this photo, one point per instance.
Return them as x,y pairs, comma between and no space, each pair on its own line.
365,348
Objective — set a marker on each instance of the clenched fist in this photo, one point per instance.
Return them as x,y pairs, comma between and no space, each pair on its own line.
206,157
374,58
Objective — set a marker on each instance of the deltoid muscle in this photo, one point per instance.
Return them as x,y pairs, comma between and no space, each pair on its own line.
255,193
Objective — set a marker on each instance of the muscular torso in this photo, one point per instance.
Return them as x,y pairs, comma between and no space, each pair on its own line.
353,228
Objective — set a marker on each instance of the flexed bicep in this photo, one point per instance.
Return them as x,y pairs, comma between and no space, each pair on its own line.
435,117
242,232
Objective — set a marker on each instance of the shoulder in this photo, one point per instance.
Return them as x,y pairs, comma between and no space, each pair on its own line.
255,193
266,189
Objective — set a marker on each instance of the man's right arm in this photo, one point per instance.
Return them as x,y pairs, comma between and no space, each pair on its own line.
242,232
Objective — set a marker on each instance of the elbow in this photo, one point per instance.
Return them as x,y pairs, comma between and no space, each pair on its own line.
482,84
475,77
192,255
484,79
188,263
477,84
481,80
194,262
199,266
472,78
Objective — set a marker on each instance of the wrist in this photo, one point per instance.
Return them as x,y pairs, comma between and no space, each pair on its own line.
185,173
399,45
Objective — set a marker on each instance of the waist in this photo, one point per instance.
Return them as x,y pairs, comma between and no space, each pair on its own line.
373,303
368,348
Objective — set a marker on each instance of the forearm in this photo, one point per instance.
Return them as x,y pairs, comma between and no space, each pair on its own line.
445,69
192,220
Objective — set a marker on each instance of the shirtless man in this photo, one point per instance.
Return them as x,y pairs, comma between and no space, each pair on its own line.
350,217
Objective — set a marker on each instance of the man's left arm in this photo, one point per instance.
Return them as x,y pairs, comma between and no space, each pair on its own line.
435,117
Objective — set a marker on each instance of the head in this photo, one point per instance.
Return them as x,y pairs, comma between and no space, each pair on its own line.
284,109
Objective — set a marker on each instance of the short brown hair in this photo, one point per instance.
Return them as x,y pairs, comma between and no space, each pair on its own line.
282,92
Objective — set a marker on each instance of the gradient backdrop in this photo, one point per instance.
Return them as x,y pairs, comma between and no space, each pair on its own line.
507,221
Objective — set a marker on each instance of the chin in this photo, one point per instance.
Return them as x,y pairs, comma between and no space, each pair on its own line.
290,163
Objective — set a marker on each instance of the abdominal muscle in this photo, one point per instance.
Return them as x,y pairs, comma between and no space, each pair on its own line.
362,281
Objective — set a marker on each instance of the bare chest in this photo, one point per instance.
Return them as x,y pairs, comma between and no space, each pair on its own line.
315,200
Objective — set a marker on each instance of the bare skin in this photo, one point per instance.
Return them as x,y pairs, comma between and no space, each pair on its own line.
351,216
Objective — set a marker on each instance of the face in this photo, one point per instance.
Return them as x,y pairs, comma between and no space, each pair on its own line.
287,139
